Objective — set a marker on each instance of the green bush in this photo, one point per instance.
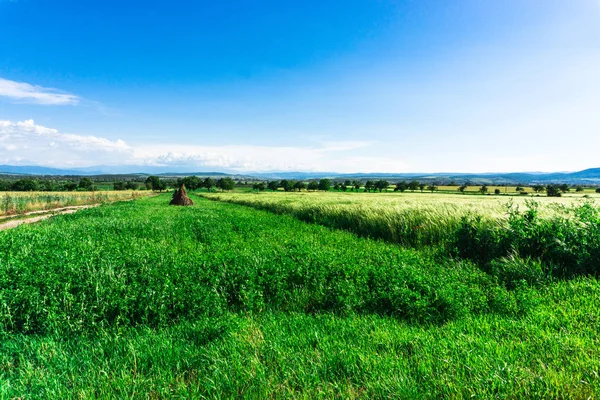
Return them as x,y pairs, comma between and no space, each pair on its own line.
566,246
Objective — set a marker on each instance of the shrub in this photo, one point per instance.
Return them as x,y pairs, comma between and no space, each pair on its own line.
565,245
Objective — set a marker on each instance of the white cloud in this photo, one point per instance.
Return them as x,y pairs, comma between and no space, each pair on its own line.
25,142
26,92
336,157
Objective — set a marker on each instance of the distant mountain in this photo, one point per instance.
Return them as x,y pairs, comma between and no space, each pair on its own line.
589,176
36,170
591,173
293,175
105,170
146,169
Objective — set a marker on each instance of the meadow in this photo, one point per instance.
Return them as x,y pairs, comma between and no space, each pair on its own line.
512,190
563,233
12,203
140,299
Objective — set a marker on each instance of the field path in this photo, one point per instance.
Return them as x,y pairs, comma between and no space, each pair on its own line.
46,214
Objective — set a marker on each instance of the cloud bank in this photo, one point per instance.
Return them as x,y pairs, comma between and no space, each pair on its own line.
24,92
26,143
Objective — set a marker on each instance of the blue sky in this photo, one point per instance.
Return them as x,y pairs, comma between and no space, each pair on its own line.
345,86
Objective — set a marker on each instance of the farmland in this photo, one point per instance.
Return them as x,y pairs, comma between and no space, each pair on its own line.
12,203
468,225
138,299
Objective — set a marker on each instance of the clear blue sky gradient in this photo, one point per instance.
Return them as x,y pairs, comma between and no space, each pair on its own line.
394,86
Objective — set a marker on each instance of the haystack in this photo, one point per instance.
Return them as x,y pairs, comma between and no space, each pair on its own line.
180,198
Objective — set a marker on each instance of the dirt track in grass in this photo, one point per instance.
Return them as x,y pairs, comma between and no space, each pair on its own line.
27,219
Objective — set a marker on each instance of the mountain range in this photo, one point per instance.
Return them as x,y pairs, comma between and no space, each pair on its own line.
589,176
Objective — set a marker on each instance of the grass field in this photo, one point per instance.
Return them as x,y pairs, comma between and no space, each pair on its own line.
139,299
512,190
21,202
414,219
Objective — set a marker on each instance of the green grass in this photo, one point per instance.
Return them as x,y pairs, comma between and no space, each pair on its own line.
563,234
139,299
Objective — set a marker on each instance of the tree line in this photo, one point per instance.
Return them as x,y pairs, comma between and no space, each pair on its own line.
191,183
155,183
47,185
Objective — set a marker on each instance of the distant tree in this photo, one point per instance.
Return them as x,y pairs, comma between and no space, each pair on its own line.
49,185
299,185
539,188
169,183
259,186
208,183
483,189
70,186
284,183
119,185
519,189
85,184
162,185
369,185
25,185
496,191
313,185
4,185
226,184
273,185
131,185
337,186
324,184
190,182
579,189
432,187
382,185
422,187
356,184
564,188
153,183
553,191
462,188
597,190
413,185
401,187
288,185
346,185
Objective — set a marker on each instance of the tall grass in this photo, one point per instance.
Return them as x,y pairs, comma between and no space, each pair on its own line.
563,234
396,218
21,202
566,244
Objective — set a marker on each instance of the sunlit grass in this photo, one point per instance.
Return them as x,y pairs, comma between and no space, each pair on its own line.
414,219
143,300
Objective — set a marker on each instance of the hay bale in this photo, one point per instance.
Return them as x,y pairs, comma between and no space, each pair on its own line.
180,198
